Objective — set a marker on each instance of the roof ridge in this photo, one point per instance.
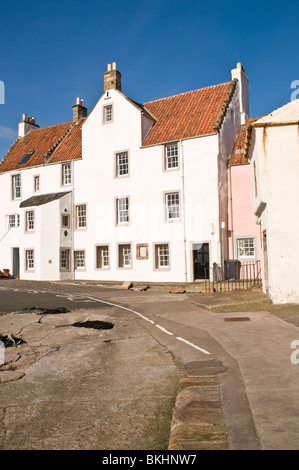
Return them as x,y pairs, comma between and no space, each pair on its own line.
186,92
51,125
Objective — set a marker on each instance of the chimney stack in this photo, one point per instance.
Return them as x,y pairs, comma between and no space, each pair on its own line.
26,125
239,74
112,78
79,110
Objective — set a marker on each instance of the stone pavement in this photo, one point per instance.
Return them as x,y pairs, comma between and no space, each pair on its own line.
244,395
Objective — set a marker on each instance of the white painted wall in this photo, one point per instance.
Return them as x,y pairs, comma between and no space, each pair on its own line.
201,181
276,156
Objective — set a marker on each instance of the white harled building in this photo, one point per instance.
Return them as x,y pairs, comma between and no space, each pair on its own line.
127,192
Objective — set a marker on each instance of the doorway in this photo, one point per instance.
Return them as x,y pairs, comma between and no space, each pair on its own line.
201,260
15,262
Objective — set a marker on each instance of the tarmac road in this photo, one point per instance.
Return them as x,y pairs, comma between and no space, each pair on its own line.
118,389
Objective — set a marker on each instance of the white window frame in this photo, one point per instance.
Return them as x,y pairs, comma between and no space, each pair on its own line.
124,255
13,220
102,256
66,174
246,248
122,210
16,189
36,183
122,168
29,221
79,260
162,256
29,260
171,207
107,114
65,261
171,157
81,218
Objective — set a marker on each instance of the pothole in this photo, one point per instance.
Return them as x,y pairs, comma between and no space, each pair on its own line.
96,324
10,341
46,311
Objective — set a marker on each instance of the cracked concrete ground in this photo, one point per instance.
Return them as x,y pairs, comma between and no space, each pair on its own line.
61,388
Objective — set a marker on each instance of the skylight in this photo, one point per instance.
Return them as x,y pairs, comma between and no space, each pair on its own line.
26,157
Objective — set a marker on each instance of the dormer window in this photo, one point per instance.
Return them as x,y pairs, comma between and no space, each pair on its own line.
108,114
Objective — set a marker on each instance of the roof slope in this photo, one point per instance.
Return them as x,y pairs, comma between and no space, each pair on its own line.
71,146
43,141
191,114
288,113
42,199
239,153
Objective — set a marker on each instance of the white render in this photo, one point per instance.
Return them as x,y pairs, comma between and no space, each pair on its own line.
274,154
200,180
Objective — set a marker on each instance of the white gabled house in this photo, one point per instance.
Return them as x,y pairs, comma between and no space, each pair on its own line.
129,192
274,157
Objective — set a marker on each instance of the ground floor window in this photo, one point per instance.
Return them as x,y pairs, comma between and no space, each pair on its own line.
65,259
29,258
102,257
124,256
162,256
246,247
79,259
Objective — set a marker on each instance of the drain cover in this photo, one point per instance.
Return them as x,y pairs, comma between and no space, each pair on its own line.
10,341
97,325
237,319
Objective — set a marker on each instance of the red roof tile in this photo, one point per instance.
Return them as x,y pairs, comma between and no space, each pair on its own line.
190,114
239,153
71,146
41,140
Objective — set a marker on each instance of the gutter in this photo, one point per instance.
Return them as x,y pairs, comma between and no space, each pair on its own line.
184,217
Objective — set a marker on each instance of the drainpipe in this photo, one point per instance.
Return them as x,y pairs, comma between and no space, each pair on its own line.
72,261
183,201
231,211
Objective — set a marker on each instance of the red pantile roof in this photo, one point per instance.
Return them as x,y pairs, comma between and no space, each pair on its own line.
71,146
239,153
58,143
41,140
190,114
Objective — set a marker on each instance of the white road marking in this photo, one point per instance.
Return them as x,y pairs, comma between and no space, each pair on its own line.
193,345
151,321
78,297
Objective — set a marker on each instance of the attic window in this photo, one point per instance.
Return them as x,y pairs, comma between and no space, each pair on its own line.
26,157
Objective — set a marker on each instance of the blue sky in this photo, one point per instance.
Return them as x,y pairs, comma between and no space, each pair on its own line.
52,52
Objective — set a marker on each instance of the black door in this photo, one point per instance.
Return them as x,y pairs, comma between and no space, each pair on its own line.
15,262
201,260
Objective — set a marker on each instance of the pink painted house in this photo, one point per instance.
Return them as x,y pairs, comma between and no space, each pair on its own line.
243,231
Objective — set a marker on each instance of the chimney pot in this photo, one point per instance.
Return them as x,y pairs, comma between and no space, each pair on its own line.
78,101
114,67
24,117
109,68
